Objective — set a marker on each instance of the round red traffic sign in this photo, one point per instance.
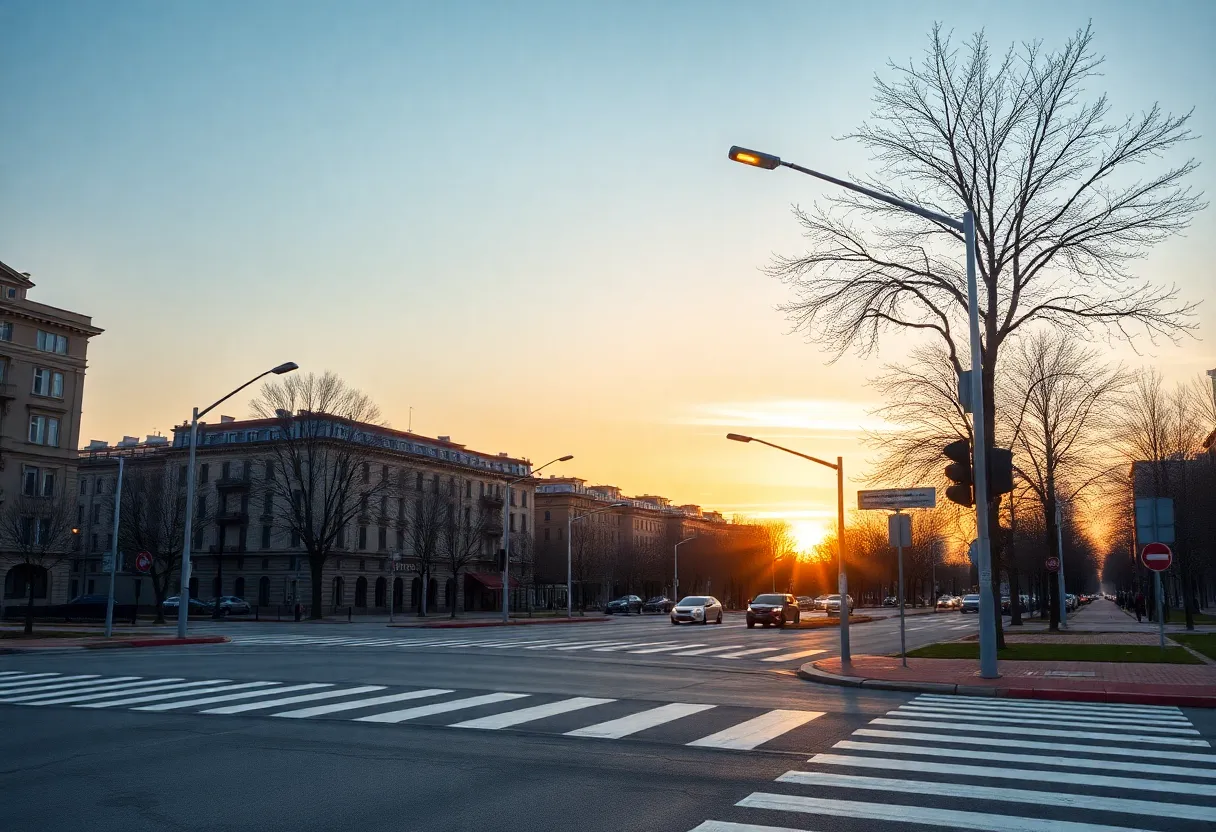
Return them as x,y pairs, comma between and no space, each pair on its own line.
1053,564
143,561
1157,557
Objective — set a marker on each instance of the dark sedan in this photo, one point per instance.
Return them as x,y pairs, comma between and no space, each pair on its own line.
625,604
773,609
659,603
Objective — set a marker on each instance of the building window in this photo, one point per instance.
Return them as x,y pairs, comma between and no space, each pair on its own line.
47,383
270,469
265,564
367,473
29,481
295,538
418,482
84,486
468,488
523,498
362,565
48,484
204,471
340,539
547,517
50,342
44,430
523,523
96,513
6,331
93,547
512,522
265,537
400,539
226,470
362,538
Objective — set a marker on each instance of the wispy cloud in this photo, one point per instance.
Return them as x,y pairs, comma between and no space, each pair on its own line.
801,416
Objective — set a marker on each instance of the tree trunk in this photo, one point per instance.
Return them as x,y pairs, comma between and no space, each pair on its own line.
29,607
315,566
422,593
158,591
455,592
1015,598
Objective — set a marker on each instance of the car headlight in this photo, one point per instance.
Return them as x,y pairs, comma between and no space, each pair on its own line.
699,611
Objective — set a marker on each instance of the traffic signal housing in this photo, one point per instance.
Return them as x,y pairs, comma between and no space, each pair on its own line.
1000,471
959,472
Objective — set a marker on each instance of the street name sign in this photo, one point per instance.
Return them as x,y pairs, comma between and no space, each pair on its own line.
1157,557
894,499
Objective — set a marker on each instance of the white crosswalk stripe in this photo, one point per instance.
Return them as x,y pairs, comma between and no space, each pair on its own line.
748,735
632,724
228,697
58,685
512,718
109,686
92,697
291,700
992,756
441,707
158,697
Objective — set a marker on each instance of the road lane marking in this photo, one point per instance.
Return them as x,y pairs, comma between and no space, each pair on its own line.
18,676
928,815
1073,722
1029,775
707,650
5,687
321,710
511,718
92,697
1073,748
43,688
664,649
616,728
220,685
751,652
747,735
394,717
634,644
995,708
1015,704
970,791
291,700
1042,732
727,826
109,686
249,694
583,645
786,657
1029,759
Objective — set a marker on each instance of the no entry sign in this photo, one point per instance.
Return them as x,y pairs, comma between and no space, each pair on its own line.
1053,564
143,561
1157,557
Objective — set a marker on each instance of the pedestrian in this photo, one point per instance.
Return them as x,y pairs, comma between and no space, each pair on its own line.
1139,606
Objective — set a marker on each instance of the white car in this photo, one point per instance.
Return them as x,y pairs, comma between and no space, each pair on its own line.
697,609
833,605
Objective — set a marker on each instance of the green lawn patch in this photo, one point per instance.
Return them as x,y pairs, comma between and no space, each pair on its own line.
1061,652
1205,643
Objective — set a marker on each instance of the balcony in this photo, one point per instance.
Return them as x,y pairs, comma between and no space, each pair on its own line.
492,528
233,483
490,502
237,515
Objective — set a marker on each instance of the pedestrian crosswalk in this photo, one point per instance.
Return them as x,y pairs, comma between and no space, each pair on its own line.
693,724
997,765
562,646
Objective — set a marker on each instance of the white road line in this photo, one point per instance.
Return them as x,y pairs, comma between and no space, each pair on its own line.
1095,716
11,673
1040,706
5,687
751,652
507,644
928,815
727,826
747,735
440,707
42,688
586,645
562,644
510,718
220,685
664,649
92,697
634,644
321,710
707,650
616,728
1138,767
249,694
914,629
124,686
1041,732
964,627
291,700
1074,748
1028,775
970,791
787,657
1070,722
18,676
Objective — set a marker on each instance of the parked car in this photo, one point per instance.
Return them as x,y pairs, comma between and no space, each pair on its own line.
890,601
232,605
1005,604
806,603
171,604
697,609
1070,601
833,604
970,603
945,602
772,610
821,602
659,603
625,604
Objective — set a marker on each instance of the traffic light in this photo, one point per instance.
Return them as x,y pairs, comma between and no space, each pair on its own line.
959,472
1000,472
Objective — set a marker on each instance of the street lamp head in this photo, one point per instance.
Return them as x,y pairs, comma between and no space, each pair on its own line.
738,437
285,368
565,458
754,158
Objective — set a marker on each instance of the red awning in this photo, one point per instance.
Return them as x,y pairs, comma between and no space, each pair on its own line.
492,580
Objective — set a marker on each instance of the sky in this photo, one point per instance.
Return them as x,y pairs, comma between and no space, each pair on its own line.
517,219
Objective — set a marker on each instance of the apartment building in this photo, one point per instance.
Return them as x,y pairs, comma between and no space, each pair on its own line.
246,549
43,353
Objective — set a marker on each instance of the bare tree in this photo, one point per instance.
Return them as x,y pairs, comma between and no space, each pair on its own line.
154,519
323,476
464,535
426,533
37,533
779,545
1056,398
589,551
1065,199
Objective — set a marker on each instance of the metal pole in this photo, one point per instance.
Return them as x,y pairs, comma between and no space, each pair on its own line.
842,580
506,553
569,565
988,663
899,549
183,597
675,575
932,575
1157,590
392,576
1060,573
114,552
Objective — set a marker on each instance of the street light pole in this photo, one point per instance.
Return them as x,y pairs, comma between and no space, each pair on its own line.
675,570
183,597
767,161
570,520
114,552
842,581
506,535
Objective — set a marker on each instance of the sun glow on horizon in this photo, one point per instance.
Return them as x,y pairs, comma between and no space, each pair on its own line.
807,535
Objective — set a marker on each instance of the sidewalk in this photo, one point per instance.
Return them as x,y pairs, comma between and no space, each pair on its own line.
57,645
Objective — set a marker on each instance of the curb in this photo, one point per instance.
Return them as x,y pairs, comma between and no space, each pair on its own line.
462,625
156,642
811,673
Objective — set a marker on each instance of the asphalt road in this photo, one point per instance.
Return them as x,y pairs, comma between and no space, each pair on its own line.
319,727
